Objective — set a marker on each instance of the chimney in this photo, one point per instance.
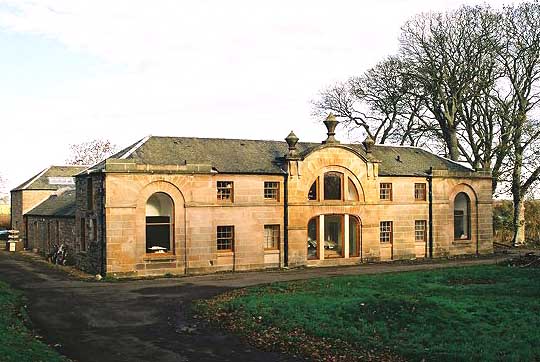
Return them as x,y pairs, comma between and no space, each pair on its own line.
291,141
331,122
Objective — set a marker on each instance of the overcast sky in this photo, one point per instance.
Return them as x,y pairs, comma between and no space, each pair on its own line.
73,70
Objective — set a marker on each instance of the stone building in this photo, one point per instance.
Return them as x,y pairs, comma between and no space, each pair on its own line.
36,190
194,205
52,222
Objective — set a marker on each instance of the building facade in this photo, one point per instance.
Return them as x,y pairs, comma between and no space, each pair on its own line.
192,205
52,223
34,192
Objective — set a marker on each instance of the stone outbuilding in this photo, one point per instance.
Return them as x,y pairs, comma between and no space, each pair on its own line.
36,190
198,205
52,222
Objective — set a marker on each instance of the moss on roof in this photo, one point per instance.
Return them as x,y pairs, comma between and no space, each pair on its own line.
61,205
266,157
41,180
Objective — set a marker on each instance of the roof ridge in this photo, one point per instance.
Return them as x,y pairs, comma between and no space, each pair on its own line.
35,178
68,166
134,148
220,139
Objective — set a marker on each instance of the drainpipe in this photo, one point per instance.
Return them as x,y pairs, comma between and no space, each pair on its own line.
477,232
101,215
185,239
286,220
429,179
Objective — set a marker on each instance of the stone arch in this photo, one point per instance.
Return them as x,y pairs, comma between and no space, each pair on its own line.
335,145
463,187
160,223
348,173
334,235
178,200
468,213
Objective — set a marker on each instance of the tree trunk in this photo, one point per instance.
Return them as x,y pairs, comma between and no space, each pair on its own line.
453,145
517,195
519,223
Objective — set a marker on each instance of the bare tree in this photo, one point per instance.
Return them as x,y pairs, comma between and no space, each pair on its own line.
378,102
91,152
519,55
445,54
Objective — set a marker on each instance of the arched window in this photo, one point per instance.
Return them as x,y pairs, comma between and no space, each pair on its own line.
313,231
333,236
333,185
352,194
354,236
314,190
462,217
334,232
159,223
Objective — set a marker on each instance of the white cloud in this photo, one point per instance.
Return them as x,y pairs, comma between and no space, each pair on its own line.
198,68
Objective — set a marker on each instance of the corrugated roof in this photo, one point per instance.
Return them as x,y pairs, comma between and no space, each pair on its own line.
266,157
61,205
41,181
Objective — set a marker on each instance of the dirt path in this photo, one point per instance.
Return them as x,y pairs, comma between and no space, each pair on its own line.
149,320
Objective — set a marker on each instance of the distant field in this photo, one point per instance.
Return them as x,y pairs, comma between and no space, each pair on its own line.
483,313
5,220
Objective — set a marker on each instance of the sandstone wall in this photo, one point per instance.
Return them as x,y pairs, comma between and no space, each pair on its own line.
197,214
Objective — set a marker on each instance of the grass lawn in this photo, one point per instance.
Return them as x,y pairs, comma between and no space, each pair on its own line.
16,342
481,313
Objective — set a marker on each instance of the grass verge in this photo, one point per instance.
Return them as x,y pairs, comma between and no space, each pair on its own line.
488,313
17,343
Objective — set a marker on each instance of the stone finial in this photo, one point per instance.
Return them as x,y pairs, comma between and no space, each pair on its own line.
368,144
331,122
291,141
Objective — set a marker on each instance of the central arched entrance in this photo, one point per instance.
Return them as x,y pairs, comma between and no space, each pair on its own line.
333,236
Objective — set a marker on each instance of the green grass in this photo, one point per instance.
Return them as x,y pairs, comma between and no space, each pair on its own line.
487,313
17,343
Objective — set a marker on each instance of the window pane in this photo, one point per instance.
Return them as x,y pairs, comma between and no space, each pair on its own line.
224,190
461,216
385,191
312,238
271,190
354,228
312,194
333,236
225,238
158,237
353,193
420,230
271,236
386,231
332,185
420,192
459,225
159,217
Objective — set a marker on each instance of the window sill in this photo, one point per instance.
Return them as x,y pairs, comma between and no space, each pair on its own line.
271,251
160,256
225,253
461,241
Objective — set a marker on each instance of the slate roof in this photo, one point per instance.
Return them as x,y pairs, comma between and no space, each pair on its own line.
61,205
41,180
266,157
